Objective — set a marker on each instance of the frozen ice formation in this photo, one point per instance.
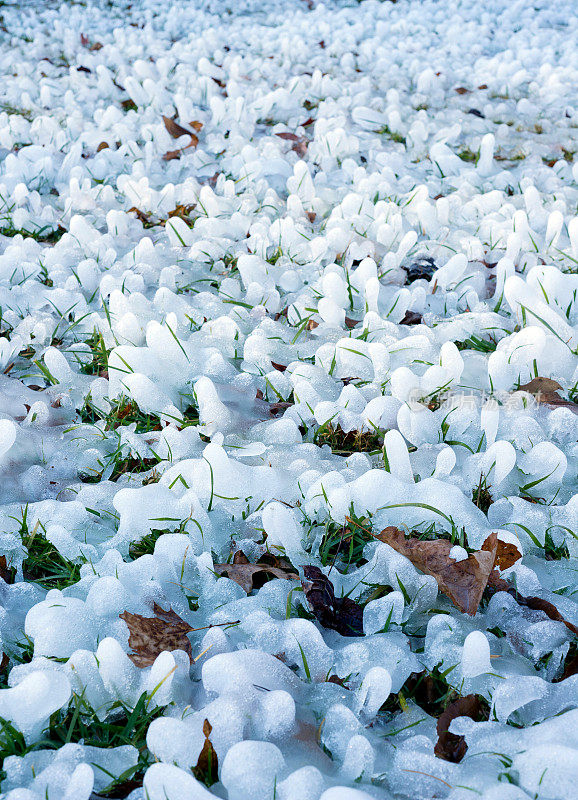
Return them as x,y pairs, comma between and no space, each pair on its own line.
273,277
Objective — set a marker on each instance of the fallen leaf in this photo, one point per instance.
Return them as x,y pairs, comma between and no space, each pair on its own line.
340,614
279,367
102,146
129,104
172,155
6,572
253,576
300,143
545,390
141,216
149,636
350,323
96,46
462,581
451,746
506,554
207,766
174,128
311,216
411,318
278,408
311,325
462,90
196,125
498,584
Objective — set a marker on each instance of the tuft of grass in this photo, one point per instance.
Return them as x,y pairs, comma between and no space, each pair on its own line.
346,543
79,723
481,496
393,135
468,156
44,564
345,444
479,344
98,365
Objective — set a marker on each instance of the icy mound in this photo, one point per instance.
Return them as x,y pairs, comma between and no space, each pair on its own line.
275,277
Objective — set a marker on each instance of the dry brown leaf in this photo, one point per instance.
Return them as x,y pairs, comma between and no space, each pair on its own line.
279,367
96,46
462,581
411,318
311,216
196,125
174,128
498,584
350,323
253,576
150,636
172,155
311,325
207,766
452,746
341,614
140,215
506,554
300,143
462,90
545,390
6,572
102,146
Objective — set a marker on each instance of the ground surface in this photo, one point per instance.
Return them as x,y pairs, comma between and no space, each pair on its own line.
296,311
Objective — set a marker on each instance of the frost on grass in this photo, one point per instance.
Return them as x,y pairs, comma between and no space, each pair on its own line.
288,394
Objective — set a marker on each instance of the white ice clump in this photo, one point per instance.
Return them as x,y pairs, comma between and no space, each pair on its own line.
348,302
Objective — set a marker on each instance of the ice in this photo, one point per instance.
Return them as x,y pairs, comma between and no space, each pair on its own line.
30,704
309,325
167,782
251,767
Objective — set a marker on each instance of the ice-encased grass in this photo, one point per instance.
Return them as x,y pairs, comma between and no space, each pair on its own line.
291,343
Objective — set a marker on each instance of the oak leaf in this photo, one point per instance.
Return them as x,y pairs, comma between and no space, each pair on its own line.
462,581
253,576
150,636
341,614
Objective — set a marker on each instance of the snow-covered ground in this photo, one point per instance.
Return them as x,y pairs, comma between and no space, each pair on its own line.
300,317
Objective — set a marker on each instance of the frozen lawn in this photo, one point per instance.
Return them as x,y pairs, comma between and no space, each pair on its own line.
276,276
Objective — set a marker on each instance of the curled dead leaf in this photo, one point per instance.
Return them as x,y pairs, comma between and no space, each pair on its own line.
462,581
102,146
150,636
340,614
253,576
196,125
462,90
451,746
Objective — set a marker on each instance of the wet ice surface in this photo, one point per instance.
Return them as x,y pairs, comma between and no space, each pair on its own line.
147,430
